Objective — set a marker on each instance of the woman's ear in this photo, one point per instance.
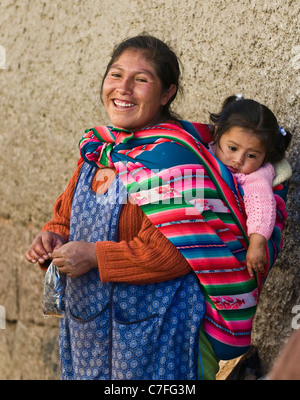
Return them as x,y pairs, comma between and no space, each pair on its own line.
168,94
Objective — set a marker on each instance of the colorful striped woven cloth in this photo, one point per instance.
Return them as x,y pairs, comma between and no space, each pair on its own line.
193,199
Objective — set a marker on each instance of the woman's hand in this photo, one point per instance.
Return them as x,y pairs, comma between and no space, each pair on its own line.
42,247
75,258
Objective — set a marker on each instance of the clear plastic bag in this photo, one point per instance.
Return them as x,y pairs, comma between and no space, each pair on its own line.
54,292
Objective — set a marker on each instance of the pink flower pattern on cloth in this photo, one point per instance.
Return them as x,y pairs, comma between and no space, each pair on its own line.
235,302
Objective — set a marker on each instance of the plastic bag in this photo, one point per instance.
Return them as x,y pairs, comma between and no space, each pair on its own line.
54,292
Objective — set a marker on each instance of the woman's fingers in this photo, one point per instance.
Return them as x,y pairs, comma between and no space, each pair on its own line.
42,247
36,252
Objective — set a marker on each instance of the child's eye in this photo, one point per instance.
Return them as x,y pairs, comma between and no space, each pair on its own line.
251,156
232,148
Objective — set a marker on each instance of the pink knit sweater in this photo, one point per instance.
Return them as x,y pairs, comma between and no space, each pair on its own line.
259,200
260,205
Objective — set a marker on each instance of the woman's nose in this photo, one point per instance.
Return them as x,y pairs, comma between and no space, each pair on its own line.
125,86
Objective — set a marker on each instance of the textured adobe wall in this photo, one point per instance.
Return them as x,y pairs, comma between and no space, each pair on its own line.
56,53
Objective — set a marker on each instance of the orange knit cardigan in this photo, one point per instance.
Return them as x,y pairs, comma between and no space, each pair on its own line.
141,255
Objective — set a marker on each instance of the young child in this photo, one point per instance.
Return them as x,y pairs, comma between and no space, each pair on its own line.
249,141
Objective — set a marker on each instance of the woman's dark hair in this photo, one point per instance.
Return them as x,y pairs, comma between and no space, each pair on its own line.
165,62
257,119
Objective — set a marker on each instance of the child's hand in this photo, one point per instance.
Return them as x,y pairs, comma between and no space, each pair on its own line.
256,255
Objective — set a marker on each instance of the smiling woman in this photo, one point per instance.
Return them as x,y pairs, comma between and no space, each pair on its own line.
133,95
125,281
156,71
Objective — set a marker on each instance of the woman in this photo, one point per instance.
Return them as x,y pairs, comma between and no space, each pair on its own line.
127,330
146,205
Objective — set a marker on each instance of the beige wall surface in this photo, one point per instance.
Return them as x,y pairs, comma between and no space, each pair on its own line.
52,60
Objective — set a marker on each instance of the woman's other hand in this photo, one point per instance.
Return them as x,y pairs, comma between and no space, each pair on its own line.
42,247
75,258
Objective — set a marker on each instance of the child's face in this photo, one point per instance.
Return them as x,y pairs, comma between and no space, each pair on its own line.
240,150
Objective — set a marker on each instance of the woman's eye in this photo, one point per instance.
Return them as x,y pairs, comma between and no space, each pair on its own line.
141,79
115,75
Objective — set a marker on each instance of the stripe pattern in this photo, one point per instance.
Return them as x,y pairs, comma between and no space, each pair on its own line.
194,200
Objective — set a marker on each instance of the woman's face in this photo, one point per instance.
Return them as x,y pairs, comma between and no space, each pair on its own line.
132,92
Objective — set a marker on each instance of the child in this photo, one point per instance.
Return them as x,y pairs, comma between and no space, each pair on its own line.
249,141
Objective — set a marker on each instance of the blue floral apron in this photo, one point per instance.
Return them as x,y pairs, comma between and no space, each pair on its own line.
121,331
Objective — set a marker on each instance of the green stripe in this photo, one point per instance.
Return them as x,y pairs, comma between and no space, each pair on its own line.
161,206
96,133
211,194
238,315
230,288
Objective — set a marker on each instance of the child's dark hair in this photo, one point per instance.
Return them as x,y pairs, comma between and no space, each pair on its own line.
258,119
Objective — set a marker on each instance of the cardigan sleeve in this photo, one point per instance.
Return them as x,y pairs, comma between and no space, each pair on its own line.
142,253
60,222
148,256
260,205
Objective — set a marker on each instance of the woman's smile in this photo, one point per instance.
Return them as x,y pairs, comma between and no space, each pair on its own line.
123,104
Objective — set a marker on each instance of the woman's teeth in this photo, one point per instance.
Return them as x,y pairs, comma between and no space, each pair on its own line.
119,103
